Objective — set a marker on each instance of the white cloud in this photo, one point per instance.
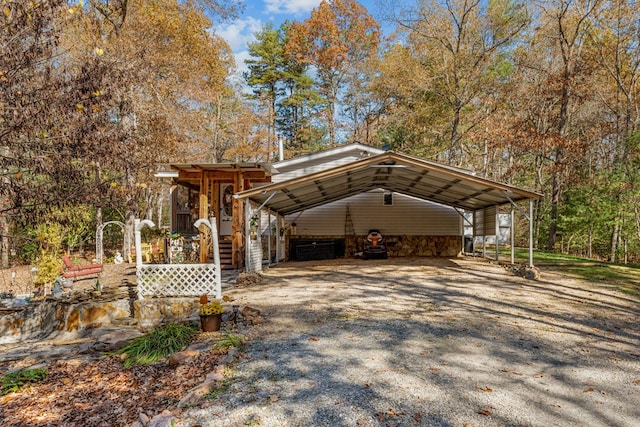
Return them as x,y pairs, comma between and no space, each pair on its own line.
240,65
295,7
239,33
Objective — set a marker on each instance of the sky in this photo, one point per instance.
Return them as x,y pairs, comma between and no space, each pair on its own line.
259,12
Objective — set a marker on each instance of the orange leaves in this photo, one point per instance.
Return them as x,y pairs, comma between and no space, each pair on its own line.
335,35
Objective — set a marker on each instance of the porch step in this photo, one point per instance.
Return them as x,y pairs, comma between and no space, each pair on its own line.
226,254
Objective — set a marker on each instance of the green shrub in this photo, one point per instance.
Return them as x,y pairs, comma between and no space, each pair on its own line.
49,235
157,344
15,381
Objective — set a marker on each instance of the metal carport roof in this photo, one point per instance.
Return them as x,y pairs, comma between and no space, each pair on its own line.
390,171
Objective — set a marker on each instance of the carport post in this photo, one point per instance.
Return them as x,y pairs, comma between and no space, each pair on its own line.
269,233
530,232
513,236
247,236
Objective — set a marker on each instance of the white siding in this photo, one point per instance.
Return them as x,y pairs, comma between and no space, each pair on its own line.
312,167
485,222
254,263
407,216
321,161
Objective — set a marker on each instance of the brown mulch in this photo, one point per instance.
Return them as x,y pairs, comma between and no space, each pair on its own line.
87,392
103,393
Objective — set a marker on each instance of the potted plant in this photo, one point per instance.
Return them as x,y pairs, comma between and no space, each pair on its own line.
210,314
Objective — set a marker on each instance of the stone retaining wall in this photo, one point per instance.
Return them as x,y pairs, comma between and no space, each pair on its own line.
403,245
73,313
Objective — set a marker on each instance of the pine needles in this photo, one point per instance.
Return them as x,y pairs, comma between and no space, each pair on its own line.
157,344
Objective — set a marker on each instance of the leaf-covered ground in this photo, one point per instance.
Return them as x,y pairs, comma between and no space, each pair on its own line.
102,393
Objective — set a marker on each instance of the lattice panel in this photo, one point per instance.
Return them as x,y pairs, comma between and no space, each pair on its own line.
172,280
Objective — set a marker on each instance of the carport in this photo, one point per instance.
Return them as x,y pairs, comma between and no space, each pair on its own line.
394,172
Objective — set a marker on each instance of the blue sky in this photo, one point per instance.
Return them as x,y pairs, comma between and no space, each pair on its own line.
259,12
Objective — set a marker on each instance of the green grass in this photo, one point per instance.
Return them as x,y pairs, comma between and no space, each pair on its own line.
229,340
157,344
15,381
522,256
625,278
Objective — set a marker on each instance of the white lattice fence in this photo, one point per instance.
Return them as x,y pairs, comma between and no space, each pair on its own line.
170,280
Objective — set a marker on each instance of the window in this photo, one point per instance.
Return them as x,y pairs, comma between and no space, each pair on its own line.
387,198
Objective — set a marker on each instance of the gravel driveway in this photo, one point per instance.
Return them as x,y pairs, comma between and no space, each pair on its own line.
430,342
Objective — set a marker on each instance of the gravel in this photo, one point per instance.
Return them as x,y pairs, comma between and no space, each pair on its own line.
429,342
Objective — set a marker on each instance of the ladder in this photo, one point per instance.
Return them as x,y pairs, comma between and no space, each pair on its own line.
349,234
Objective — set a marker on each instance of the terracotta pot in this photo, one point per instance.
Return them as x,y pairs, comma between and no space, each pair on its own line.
211,323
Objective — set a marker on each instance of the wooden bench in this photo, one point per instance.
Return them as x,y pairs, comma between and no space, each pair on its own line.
72,271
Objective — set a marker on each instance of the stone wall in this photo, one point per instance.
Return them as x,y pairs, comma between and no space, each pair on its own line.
151,312
403,246
421,246
28,322
74,313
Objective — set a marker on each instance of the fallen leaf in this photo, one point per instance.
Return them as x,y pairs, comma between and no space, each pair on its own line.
637,381
510,371
485,412
485,389
393,413
314,339
588,390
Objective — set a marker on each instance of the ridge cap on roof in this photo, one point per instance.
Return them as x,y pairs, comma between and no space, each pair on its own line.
328,152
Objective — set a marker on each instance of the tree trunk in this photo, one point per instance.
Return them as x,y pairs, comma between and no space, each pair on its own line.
99,219
636,212
615,236
159,207
4,229
556,185
130,212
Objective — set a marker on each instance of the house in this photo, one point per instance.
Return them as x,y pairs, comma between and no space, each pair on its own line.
331,199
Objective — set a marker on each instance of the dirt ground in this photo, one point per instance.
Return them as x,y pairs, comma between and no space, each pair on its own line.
432,342
405,342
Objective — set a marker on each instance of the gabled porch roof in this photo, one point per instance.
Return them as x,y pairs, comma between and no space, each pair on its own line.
391,171
190,175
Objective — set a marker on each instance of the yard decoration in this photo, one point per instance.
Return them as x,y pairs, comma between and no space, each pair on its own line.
210,314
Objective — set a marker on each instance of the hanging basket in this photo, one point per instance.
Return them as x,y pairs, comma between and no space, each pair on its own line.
211,322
